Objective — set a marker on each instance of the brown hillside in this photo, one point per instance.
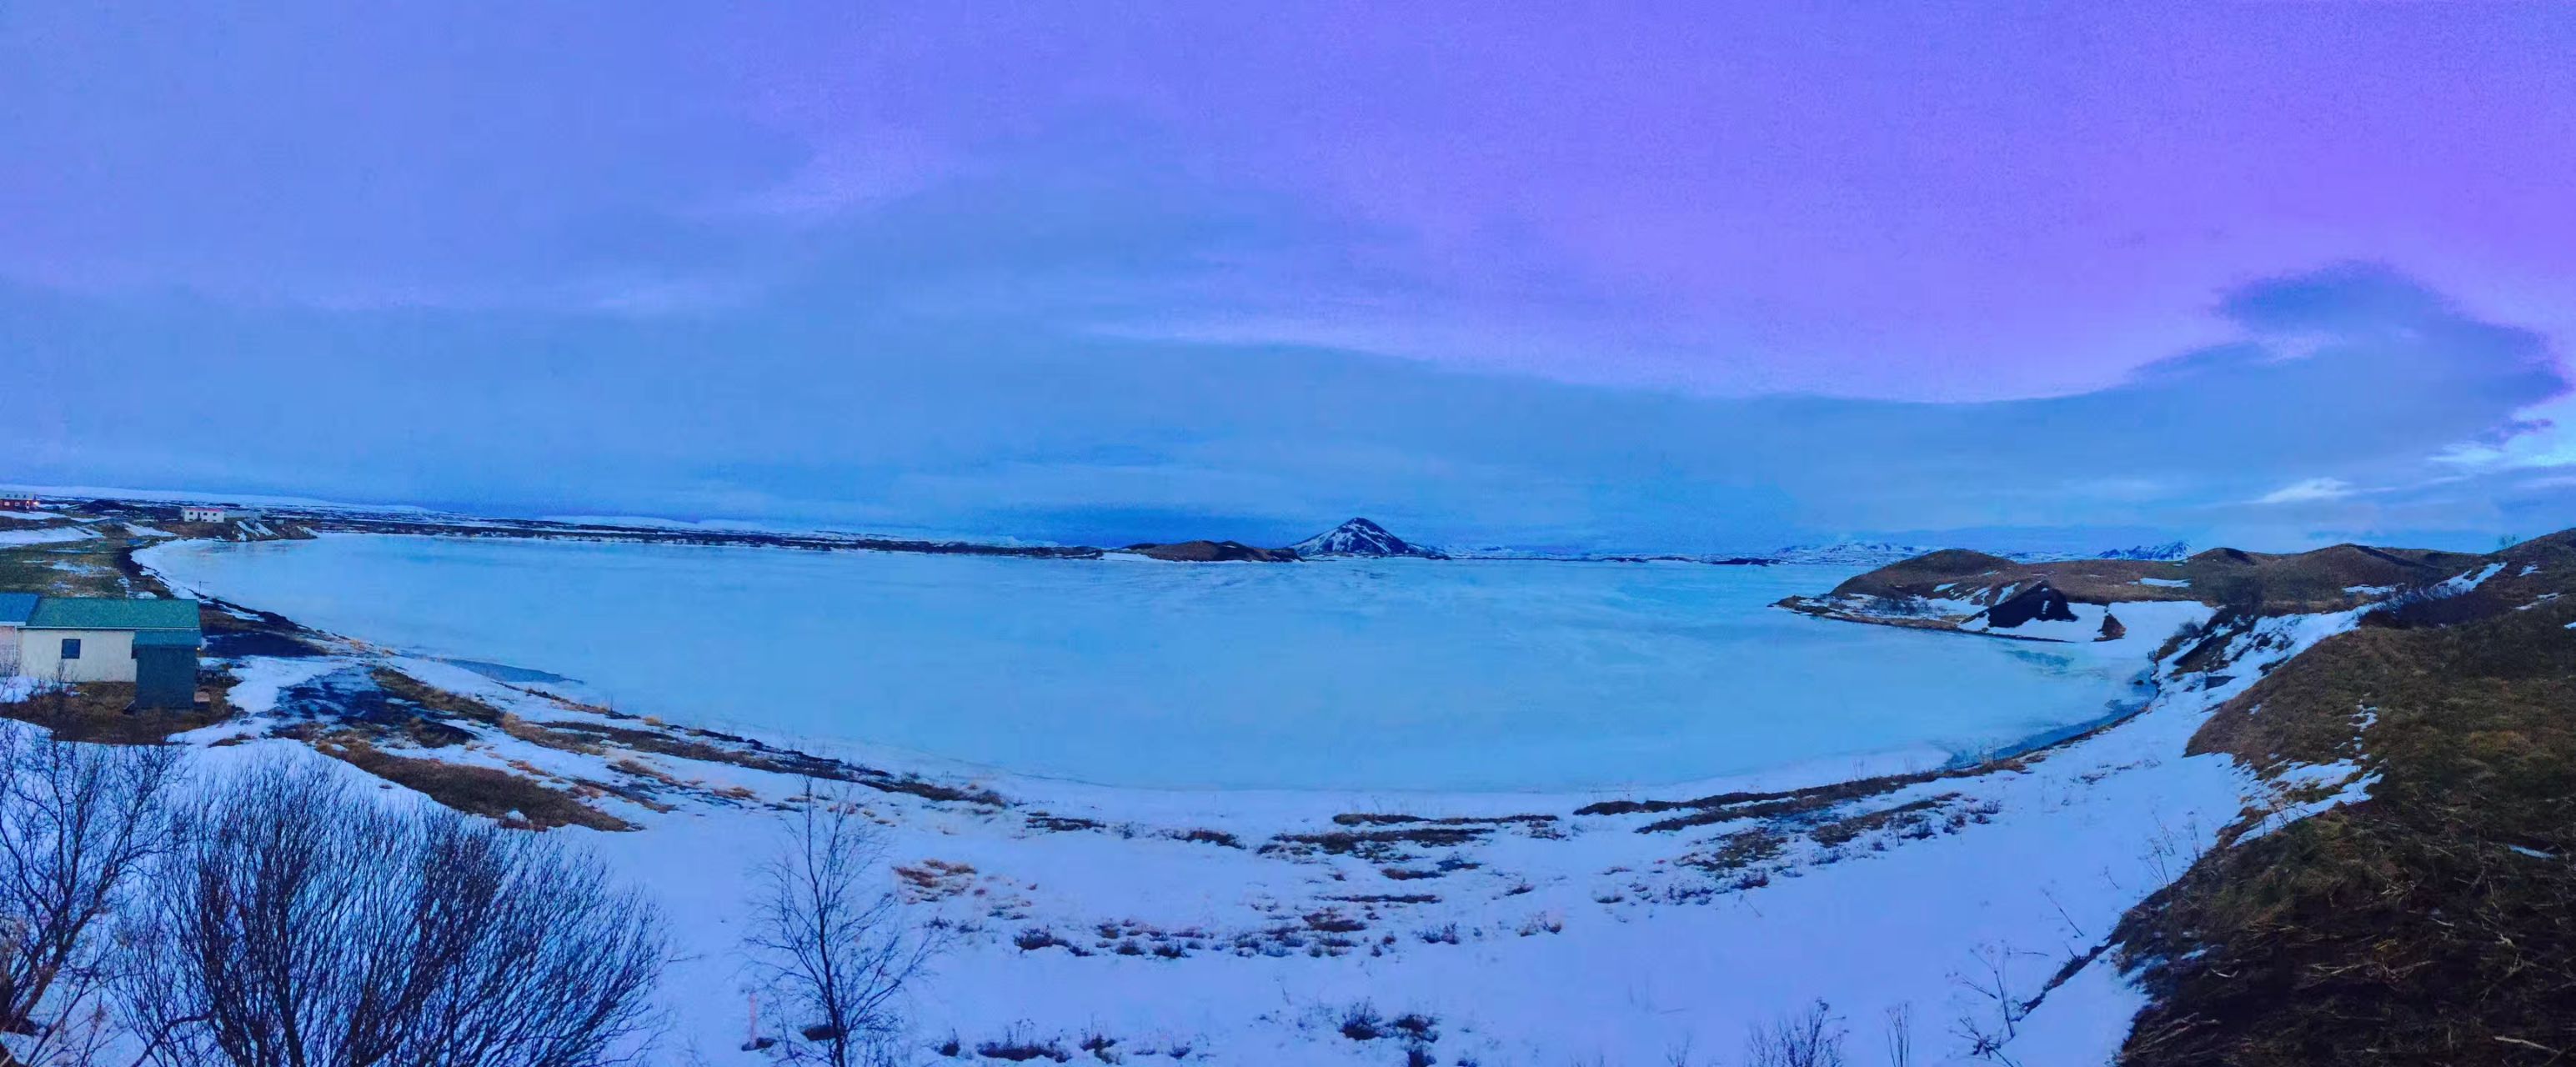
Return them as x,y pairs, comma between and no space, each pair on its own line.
2434,922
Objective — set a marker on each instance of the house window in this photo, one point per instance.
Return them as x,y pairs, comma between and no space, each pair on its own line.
71,648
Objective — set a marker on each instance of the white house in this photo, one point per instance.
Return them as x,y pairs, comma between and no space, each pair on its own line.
211,513
14,609
151,643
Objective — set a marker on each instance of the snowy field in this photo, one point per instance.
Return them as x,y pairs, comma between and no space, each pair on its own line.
1251,926
1557,937
1350,675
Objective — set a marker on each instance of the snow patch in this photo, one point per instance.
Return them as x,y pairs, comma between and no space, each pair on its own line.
44,536
2465,582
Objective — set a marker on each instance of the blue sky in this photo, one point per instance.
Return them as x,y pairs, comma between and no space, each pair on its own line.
1679,277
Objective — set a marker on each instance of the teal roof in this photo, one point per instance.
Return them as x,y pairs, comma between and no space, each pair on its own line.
15,607
112,613
165,639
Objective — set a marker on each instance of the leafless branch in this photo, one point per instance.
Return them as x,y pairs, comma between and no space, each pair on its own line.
308,925
829,935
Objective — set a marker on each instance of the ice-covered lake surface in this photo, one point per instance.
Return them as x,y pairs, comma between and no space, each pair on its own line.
1396,675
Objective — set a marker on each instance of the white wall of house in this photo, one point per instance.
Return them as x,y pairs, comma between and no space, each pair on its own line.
106,656
8,650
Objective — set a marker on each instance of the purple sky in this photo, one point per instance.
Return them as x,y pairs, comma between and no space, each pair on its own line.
1643,276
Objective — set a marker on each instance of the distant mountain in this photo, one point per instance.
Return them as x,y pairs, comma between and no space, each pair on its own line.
1360,537
2170,550
1850,553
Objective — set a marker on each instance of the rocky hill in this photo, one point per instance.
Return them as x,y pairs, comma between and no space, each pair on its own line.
1213,552
2403,889
2327,579
1360,537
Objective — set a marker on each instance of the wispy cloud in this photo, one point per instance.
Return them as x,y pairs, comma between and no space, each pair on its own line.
2309,491
836,397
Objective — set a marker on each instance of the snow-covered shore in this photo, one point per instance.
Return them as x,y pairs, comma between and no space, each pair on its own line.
1557,937
1540,929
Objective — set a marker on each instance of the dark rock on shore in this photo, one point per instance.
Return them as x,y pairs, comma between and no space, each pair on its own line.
2042,602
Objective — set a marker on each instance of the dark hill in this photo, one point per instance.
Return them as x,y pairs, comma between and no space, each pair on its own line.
2327,579
1214,552
1920,575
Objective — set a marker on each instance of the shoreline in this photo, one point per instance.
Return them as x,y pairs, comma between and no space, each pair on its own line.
1240,926
1229,801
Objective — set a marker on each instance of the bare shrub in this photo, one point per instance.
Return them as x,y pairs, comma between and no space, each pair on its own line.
1989,1028
1900,1036
78,824
830,937
1809,1038
306,925
1360,1022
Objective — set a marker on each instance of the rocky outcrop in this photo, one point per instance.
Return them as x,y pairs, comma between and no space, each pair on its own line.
2112,630
2042,602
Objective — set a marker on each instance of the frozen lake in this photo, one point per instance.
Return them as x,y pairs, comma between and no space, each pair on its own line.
1358,675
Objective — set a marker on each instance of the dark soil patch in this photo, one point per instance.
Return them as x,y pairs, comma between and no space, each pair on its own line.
236,644
1376,846
1844,830
484,791
1039,820
710,746
104,713
1373,819
411,690
1740,850
1728,807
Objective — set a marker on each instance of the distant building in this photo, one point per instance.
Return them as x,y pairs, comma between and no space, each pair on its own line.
151,643
20,503
207,513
